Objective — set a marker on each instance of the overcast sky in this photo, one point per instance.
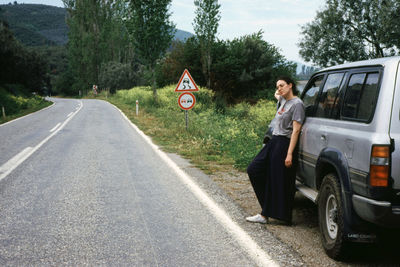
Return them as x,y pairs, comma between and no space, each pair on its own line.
279,19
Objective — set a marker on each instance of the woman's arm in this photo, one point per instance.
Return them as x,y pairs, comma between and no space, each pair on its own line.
293,141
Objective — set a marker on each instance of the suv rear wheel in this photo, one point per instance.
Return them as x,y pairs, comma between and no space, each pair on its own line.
330,213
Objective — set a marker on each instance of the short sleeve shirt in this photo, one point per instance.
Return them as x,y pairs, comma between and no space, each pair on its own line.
289,111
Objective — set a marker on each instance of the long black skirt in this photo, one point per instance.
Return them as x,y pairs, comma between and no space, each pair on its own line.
272,181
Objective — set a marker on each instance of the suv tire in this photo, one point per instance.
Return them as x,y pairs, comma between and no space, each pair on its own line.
330,213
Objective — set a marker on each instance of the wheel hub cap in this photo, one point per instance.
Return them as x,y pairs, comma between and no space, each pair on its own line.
331,216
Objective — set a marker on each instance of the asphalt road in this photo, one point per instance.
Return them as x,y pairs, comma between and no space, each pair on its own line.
80,186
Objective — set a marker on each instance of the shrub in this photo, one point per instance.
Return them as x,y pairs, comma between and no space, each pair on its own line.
18,104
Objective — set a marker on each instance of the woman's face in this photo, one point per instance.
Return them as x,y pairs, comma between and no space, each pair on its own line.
283,88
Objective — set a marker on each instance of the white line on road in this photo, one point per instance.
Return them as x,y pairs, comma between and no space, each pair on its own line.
10,165
70,114
13,163
55,127
252,248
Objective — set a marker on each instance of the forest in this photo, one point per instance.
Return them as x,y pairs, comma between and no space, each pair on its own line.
108,58
118,44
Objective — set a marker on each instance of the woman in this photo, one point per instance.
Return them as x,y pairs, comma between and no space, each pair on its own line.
273,171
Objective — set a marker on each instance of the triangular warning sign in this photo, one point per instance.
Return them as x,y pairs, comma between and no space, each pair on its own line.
186,83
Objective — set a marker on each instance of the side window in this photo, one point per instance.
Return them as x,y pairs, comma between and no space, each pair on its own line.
368,97
361,95
311,93
328,99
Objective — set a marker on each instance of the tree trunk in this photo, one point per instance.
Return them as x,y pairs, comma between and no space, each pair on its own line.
154,84
379,50
204,66
209,69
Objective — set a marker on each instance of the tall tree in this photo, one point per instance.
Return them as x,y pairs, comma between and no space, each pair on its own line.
205,26
151,31
97,35
349,30
83,37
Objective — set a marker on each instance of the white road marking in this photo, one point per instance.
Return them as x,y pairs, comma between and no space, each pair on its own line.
70,114
250,246
10,165
55,127
13,163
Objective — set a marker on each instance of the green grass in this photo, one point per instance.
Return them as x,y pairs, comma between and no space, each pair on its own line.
216,138
18,106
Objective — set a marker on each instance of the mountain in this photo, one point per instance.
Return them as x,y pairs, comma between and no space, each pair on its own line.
36,25
182,35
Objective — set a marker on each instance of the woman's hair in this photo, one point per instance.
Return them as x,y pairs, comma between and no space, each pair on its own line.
290,80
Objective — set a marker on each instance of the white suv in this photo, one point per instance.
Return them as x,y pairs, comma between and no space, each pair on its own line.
349,150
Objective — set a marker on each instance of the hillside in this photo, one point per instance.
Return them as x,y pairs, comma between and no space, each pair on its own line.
36,25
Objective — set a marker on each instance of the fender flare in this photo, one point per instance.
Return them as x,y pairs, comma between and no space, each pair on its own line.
335,158
338,161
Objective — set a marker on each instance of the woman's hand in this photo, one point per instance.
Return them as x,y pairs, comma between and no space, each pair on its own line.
277,94
293,141
288,160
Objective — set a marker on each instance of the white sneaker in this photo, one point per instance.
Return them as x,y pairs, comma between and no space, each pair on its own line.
257,219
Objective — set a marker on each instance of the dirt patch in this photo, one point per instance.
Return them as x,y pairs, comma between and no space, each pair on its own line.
304,235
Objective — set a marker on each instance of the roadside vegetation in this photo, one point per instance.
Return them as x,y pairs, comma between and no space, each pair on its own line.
18,106
218,135
22,77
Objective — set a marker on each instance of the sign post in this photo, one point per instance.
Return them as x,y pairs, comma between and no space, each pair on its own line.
95,89
186,100
186,120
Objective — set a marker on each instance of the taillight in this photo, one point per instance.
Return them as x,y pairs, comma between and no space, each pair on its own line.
380,166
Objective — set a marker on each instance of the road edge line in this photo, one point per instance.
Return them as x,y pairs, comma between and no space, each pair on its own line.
27,115
250,246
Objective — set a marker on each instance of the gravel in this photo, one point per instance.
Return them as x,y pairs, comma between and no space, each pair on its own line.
304,235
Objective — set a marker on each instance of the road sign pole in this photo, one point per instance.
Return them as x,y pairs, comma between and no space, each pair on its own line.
186,100
187,119
137,107
4,112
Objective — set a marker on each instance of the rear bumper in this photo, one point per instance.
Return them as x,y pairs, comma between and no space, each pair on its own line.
377,212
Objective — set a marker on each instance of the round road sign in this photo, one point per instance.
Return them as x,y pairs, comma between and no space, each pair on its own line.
186,101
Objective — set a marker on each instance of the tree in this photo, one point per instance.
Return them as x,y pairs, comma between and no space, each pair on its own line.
205,26
151,31
19,66
183,55
83,35
115,75
247,65
306,72
350,30
96,34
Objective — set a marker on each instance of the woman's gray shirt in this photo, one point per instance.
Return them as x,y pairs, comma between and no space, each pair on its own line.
289,111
